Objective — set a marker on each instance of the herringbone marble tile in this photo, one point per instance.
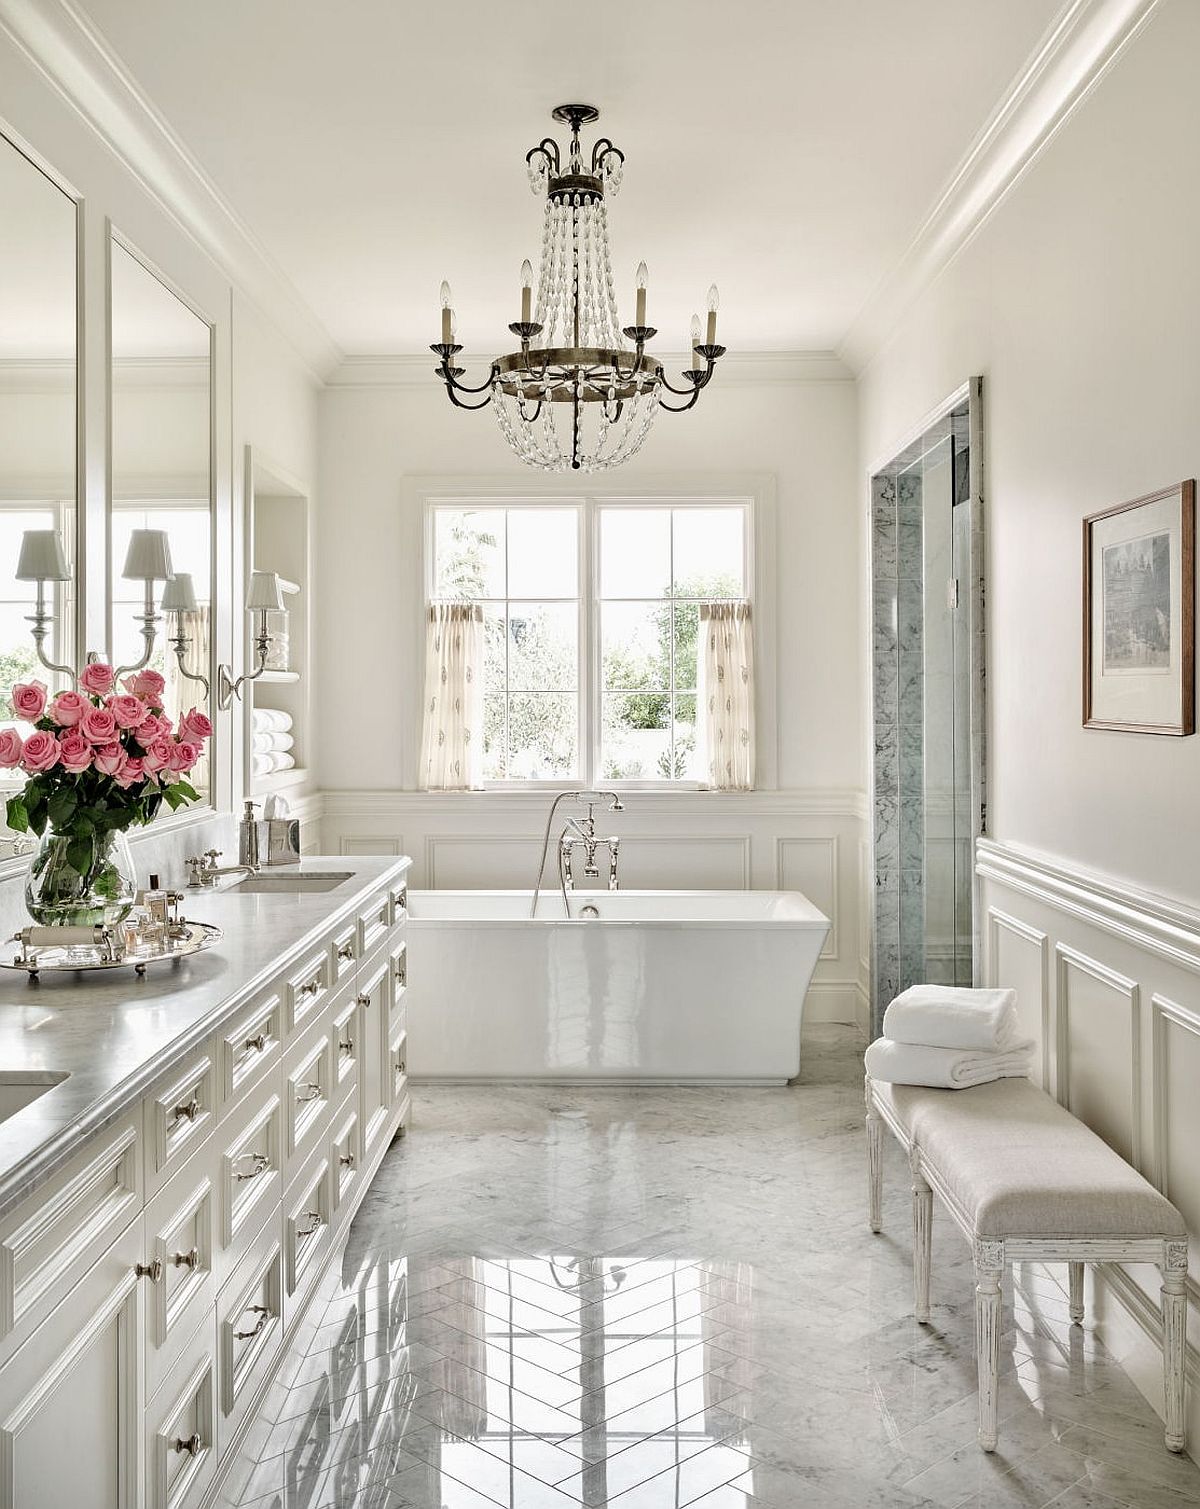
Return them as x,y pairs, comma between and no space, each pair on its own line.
669,1299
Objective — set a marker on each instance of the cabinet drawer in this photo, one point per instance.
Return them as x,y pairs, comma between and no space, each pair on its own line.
307,1095
398,1065
306,1227
373,1073
250,1175
307,988
374,922
181,1430
179,1118
343,953
51,1240
399,895
345,1046
398,964
251,1047
180,1238
344,1154
249,1325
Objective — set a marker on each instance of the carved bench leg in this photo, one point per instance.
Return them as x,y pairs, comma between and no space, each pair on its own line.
1174,1318
989,1269
1075,1284
922,1217
874,1166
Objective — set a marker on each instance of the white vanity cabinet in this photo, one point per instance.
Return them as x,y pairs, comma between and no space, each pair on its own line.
148,1286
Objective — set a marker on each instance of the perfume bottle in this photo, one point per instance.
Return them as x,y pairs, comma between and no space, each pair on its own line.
154,925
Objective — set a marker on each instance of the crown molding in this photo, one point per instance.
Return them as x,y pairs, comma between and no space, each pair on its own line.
67,49
1070,60
419,371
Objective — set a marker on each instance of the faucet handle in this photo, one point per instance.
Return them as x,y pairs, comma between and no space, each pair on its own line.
212,855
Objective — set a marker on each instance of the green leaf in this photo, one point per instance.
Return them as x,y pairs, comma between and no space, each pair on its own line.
17,814
61,807
81,854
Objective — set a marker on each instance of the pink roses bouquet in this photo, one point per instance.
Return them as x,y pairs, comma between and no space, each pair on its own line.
98,761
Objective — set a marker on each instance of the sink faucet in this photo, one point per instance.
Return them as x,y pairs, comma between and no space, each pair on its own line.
578,832
204,872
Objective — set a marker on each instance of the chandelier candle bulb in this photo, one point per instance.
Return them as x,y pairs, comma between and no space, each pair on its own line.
526,292
447,315
640,316
697,360
713,299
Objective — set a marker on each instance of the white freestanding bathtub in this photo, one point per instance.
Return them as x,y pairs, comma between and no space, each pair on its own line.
662,987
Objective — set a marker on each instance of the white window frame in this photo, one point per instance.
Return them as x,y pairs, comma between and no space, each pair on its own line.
754,494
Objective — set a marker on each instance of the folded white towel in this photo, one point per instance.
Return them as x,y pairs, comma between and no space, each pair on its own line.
268,720
945,1068
265,743
268,764
949,1016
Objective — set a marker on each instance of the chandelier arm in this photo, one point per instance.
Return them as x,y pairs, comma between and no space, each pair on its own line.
458,403
697,384
681,408
548,147
601,150
459,387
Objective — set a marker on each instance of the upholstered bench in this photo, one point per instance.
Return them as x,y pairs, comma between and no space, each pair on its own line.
1024,1179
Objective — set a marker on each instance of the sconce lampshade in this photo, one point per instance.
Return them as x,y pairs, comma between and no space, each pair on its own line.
179,595
148,558
42,558
265,594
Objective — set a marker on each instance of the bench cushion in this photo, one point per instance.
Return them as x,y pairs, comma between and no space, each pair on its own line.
1019,1164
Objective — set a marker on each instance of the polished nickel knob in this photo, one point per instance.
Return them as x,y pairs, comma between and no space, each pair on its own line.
346,952
346,1044
264,1315
258,1042
313,1217
187,1259
310,987
364,1000
401,1066
346,1160
261,1164
401,971
189,1110
193,1445
310,1091
153,1270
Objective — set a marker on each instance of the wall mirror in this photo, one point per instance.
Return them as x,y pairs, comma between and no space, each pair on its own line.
38,424
161,459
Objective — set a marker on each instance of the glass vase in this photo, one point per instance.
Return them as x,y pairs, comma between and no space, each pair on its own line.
77,881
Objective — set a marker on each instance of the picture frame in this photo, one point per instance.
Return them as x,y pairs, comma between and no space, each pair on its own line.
1139,610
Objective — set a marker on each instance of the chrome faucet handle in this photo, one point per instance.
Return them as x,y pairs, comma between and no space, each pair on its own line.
195,869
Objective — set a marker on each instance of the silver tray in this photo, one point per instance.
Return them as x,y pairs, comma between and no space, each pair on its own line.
186,938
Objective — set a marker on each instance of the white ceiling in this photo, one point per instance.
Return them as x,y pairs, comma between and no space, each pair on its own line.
788,149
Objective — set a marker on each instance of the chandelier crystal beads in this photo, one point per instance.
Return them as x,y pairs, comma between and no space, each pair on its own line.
581,399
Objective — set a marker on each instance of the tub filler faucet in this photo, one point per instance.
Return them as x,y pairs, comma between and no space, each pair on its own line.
579,833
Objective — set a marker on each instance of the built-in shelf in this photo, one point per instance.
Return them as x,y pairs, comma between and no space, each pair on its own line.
279,677
278,780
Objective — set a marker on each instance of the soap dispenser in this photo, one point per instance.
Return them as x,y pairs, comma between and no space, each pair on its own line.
248,837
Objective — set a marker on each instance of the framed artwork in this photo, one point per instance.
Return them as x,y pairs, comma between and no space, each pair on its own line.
1139,599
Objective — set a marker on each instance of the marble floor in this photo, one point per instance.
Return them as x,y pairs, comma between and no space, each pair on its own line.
651,1299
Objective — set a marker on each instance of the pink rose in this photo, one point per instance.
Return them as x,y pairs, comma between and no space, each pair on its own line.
196,725
129,711
148,685
97,678
158,755
41,751
10,748
183,757
67,709
150,728
130,773
75,752
109,758
98,726
29,700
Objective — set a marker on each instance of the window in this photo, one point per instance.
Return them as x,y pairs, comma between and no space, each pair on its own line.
591,619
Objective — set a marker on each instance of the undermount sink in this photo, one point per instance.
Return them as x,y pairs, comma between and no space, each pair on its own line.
21,1087
311,880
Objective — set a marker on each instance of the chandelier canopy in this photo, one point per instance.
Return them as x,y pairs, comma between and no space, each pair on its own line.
580,399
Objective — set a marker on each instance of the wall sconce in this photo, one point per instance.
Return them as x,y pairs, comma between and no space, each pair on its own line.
148,560
43,560
179,597
265,596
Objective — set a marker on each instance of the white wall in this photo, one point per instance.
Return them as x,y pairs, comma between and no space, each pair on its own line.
808,833
1077,300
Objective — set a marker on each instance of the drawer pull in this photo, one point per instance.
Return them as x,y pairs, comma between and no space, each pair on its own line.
152,1270
346,1160
309,1091
400,899
346,1044
261,1164
346,952
193,1445
364,1000
264,1315
313,1217
188,1111
187,1259
401,1066
311,987
401,971
258,1042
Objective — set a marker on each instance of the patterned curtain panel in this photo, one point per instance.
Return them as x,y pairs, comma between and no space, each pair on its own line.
726,700
182,694
452,745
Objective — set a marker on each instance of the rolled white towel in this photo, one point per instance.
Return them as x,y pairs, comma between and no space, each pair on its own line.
265,743
945,1068
950,1016
271,720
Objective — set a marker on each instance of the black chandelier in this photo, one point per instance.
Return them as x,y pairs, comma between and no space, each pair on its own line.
580,400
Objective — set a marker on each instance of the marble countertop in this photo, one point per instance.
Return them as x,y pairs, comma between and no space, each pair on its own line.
114,1035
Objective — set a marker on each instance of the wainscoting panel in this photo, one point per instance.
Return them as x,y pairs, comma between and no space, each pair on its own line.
1118,1016
1018,956
811,841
